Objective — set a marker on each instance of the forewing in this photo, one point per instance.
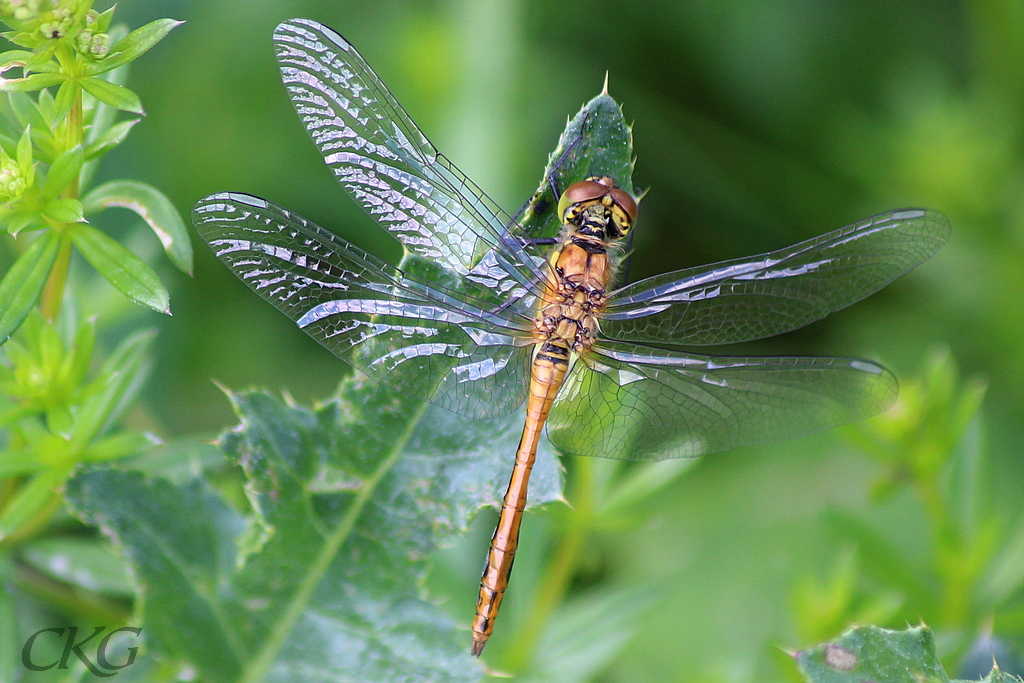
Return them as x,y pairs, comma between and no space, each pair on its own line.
426,341
383,160
634,403
765,295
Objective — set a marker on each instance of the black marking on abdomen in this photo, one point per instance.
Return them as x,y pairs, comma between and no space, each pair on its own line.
553,353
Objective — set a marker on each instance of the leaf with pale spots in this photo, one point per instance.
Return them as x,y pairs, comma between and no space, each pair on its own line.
870,653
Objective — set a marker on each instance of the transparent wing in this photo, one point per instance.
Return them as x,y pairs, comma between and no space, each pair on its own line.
425,340
383,160
635,403
765,295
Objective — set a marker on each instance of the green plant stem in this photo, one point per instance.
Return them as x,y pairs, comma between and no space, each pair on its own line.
53,292
949,552
35,524
560,568
75,134
8,487
87,605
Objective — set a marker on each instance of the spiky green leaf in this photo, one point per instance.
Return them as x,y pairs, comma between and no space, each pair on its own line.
596,142
870,653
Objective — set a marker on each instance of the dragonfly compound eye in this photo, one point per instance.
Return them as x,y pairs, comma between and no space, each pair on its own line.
578,193
621,205
624,210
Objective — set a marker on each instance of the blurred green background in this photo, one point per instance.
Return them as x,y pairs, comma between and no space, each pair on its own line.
757,125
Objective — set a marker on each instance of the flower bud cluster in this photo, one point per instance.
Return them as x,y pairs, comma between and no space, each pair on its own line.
12,182
95,45
37,23
55,24
21,10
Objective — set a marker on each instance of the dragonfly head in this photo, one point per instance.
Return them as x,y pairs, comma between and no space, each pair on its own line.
599,200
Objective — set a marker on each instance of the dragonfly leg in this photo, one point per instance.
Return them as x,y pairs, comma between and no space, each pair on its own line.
552,179
625,257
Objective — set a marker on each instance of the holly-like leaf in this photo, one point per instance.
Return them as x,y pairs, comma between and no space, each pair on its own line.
596,142
870,653
123,269
153,207
985,650
323,582
997,676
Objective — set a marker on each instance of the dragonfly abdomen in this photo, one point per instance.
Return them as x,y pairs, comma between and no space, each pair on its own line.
550,364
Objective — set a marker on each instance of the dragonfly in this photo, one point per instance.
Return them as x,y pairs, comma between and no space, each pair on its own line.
501,318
